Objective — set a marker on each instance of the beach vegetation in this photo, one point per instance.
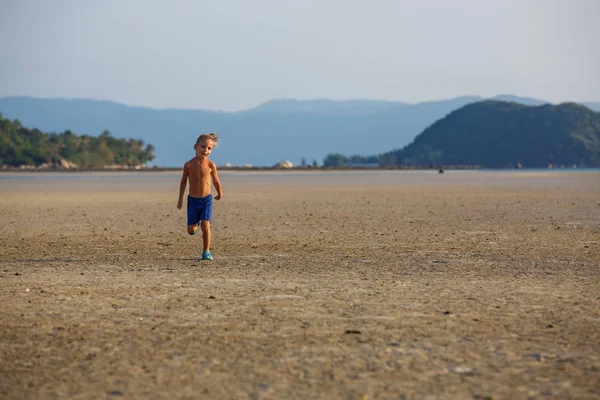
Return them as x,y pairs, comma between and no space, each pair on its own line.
30,146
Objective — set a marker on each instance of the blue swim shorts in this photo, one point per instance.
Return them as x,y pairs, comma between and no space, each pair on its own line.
199,209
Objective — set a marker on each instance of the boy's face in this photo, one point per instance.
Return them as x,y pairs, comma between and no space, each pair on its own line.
204,148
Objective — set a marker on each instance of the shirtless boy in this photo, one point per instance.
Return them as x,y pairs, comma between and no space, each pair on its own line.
199,170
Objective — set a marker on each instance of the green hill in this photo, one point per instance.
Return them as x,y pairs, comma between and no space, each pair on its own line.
22,146
495,134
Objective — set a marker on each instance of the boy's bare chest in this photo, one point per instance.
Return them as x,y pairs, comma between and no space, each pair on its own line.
199,171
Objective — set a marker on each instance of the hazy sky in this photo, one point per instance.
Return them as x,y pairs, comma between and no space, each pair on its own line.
235,54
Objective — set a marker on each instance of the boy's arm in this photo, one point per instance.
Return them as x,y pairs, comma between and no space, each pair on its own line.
182,186
216,181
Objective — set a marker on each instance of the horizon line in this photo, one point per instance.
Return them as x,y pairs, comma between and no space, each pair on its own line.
398,102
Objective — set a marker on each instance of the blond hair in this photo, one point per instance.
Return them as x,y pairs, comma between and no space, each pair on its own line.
212,136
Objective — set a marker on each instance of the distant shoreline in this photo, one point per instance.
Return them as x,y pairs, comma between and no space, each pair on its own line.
440,169
228,168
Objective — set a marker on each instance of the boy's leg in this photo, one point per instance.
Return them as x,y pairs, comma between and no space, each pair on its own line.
205,225
192,229
192,216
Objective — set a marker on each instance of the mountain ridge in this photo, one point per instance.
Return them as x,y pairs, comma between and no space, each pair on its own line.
253,136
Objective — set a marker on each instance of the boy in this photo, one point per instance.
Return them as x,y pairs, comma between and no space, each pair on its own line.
200,170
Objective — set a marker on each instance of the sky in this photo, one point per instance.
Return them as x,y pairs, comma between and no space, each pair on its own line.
236,54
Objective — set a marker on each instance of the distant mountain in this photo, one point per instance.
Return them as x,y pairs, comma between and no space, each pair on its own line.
496,134
264,135
518,99
326,107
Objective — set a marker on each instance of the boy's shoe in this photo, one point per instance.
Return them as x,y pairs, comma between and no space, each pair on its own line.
206,255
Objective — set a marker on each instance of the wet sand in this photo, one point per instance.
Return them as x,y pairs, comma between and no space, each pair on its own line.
352,285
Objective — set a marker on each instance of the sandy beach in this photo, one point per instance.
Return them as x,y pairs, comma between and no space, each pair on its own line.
349,285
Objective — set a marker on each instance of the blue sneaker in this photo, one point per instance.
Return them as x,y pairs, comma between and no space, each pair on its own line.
206,255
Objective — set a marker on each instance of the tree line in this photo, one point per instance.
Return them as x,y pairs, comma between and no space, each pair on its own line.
23,146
